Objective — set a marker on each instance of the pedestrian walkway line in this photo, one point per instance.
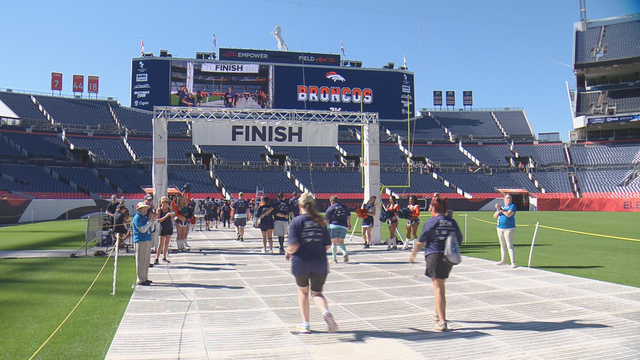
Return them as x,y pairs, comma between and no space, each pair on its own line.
75,307
591,234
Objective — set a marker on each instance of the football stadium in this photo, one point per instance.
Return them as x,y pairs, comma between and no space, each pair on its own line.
250,123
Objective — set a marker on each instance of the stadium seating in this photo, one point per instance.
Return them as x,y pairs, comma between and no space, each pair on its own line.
423,184
606,181
236,154
422,129
38,144
138,121
33,181
7,151
23,106
84,177
617,39
514,123
495,155
601,155
554,181
543,154
247,181
105,148
319,155
178,150
441,154
77,111
331,182
131,181
351,148
199,179
476,124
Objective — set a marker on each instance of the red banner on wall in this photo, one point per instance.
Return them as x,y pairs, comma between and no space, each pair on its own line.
590,204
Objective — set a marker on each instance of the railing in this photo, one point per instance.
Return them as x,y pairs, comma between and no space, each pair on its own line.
74,96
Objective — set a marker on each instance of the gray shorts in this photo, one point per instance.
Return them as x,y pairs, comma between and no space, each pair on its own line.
280,228
242,222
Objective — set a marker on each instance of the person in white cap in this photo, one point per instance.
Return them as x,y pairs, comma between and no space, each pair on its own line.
142,223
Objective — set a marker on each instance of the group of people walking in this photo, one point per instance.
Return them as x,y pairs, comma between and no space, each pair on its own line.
311,236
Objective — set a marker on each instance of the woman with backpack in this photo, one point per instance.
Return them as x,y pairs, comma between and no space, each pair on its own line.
434,237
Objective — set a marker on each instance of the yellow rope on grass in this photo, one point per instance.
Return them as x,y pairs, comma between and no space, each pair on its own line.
75,307
586,233
493,222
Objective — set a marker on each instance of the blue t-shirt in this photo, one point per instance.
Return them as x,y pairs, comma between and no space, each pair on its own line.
281,210
141,228
505,222
293,204
208,205
313,238
435,232
241,207
267,220
337,214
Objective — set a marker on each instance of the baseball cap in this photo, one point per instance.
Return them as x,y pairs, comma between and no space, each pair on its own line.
141,205
148,197
114,197
241,194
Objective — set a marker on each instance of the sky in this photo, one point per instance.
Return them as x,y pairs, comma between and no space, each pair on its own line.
509,53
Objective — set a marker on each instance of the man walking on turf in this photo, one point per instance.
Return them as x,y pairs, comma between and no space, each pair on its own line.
240,212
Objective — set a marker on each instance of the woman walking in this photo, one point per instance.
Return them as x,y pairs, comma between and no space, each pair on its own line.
506,215
265,215
309,241
165,218
434,236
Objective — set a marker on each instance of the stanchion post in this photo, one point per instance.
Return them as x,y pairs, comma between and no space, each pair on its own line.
466,227
533,242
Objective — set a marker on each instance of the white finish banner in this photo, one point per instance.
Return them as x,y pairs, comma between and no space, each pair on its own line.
231,68
255,133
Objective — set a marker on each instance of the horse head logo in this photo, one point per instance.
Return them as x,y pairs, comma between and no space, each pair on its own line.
335,76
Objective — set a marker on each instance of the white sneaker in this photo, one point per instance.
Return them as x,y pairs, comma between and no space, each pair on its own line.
264,251
332,327
501,262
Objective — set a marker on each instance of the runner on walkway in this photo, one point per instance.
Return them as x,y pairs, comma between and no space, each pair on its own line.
240,212
281,215
309,241
265,215
434,236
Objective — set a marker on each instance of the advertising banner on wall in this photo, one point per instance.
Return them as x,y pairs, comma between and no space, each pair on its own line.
283,57
590,204
437,98
451,98
150,83
253,133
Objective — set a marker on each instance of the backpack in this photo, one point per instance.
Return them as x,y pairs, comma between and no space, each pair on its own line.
452,250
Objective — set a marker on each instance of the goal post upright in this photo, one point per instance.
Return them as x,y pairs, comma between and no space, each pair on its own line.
369,122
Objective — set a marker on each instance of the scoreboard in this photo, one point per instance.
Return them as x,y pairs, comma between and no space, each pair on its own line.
268,79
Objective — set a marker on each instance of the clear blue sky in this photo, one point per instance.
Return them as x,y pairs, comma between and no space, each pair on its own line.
499,49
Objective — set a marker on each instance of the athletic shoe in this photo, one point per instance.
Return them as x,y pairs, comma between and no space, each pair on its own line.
303,329
271,251
156,262
145,283
513,266
405,247
501,262
264,251
166,260
346,258
241,238
441,327
333,261
150,265
332,327
282,251
238,237
395,247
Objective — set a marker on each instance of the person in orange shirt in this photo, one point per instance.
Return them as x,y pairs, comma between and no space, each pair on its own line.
413,222
393,222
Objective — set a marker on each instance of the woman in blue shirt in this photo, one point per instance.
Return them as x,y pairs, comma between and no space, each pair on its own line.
309,241
506,215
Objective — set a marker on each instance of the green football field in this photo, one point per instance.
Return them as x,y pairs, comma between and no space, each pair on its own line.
38,294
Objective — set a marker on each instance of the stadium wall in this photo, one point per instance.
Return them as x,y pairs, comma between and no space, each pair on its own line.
25,211
590,204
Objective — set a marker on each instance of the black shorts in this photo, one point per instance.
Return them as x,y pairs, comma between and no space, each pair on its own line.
367,222
317,281
266,227
436,267
166,232
208,217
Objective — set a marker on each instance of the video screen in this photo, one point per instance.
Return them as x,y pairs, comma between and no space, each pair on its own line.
221,85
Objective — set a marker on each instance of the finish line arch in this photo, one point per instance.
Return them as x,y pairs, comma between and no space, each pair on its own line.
225,120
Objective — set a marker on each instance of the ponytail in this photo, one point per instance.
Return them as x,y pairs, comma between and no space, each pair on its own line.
313,213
